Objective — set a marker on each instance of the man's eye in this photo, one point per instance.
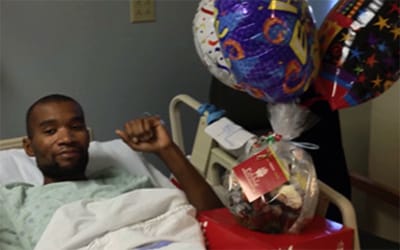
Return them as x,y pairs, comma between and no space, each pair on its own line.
78,127
50,131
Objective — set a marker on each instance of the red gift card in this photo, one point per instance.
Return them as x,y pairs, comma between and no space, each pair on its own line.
260,174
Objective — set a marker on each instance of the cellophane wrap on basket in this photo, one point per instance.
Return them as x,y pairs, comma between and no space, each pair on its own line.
280,166
290,119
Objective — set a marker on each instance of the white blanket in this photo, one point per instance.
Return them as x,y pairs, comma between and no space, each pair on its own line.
157,218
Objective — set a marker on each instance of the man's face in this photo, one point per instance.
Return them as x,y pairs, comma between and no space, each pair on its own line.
59,139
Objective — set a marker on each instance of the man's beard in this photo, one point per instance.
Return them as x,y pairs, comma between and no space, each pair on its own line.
55,171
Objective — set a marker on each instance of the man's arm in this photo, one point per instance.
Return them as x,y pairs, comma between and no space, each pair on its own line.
149,135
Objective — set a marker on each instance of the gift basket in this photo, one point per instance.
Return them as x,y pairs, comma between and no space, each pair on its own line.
275,188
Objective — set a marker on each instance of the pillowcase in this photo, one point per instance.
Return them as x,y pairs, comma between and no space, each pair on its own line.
17,166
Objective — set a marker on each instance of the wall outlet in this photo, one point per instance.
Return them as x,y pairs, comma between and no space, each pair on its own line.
142,11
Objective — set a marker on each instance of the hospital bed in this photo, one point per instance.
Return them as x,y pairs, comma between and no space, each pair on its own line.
210,160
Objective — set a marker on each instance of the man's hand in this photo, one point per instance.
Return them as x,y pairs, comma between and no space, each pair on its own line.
146,134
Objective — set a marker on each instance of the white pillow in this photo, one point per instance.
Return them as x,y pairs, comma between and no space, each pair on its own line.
17,166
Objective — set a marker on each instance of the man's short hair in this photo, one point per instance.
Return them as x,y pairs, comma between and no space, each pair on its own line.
52,98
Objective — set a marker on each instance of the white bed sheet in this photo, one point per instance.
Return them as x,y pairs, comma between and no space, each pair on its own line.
129,221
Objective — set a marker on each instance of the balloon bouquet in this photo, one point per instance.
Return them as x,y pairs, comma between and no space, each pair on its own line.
270,49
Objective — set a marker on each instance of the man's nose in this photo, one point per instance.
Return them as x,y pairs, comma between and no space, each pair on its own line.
65,135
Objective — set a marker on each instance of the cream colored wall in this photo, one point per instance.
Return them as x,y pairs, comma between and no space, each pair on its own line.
384,159
384,154
355,125
371,135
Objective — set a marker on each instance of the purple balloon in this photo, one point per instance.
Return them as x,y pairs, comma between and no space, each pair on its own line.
272,46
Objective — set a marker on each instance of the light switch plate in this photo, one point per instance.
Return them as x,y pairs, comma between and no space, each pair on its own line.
142,11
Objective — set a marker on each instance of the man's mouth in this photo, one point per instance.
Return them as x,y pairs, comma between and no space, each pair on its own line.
69,153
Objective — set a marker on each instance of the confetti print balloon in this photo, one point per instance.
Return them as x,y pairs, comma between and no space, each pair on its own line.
207,43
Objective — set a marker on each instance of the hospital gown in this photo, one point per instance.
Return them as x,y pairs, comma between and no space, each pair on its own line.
25,210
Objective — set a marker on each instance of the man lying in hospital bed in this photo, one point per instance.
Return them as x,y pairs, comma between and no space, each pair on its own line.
66,203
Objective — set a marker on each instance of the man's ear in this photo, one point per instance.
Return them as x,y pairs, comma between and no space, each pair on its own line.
26,142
